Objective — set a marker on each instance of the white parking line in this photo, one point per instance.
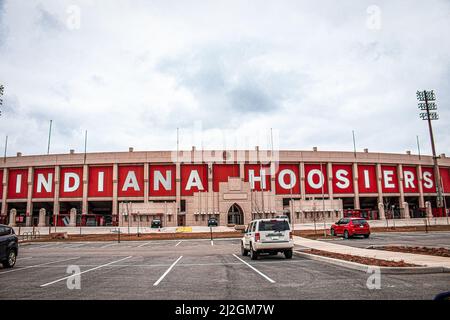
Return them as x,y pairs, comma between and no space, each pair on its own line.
212,242
256,270
79,273
178,243
109,245
43,246
167,271
38,265
144,244
20,259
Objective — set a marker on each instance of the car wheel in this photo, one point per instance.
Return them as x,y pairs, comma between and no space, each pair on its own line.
253,253
332,232
346,236
244,251
11,259
288,254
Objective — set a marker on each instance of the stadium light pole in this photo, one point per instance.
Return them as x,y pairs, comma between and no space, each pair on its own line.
427,103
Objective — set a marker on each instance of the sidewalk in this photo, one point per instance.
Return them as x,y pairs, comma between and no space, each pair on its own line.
422,260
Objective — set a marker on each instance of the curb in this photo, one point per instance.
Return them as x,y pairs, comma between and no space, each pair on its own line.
365,268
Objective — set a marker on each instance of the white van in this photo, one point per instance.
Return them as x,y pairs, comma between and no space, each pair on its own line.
267,236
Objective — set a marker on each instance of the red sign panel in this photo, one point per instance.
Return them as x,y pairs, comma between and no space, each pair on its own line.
1,185
367,179
258,176
342,178
428,180
316,178
221,173
445,176
389,179
100,181
131,181
162,180
44,183
194,178
287,179
17,184
410,180
71,182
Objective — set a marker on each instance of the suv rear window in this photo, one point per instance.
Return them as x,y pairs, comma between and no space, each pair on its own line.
359,221
273,225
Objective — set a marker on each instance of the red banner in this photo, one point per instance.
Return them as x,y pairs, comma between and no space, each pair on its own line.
428,180
17,184
100,181
445,176
316,178
194,178
258,176
1,186
287,179
410,181
44,183
342,178
162,180
389,179
367,179
131,181
71,182
221,173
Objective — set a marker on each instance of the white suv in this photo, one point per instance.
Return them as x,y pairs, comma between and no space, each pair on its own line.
267,236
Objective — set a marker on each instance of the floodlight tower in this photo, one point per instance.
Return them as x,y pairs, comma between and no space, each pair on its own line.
427,103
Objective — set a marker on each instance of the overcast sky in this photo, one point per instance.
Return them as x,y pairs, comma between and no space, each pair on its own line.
131,72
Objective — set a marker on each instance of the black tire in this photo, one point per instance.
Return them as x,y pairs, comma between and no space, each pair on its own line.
10,260
346,236
366,235
288,254
244,251
253,253
332,232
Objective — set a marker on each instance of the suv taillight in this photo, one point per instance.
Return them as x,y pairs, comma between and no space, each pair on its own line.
257,236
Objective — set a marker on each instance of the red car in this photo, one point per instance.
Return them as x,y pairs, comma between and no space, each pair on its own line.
349,227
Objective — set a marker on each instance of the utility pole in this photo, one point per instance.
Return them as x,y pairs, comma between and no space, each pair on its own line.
2,91
49,137
426,103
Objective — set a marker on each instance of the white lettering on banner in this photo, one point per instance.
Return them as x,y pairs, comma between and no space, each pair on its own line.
194,181
388,179
42,182
311,183
18,183
428,181
165,182
101,178
409,179
76,182
366,179
261,179
292,179
344,182
131,182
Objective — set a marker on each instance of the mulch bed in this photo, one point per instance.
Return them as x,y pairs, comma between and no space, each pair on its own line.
440,252
361,260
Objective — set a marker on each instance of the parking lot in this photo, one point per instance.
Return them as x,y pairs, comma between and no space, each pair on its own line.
192,269
419,239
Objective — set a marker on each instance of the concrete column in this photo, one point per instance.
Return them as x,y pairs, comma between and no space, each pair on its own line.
12,217
5,191
330,180
29,210
356,203
178,191
428,210
419,181
381,211
272,205
146,182
42,213
380,191
84,205
115,202
210,193
406,214
400,185
73,217
56,206
302,181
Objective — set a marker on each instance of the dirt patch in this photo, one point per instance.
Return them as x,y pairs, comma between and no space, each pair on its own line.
361,260
144,237
440,252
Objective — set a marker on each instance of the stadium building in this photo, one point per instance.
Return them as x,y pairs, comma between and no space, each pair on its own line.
187,187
